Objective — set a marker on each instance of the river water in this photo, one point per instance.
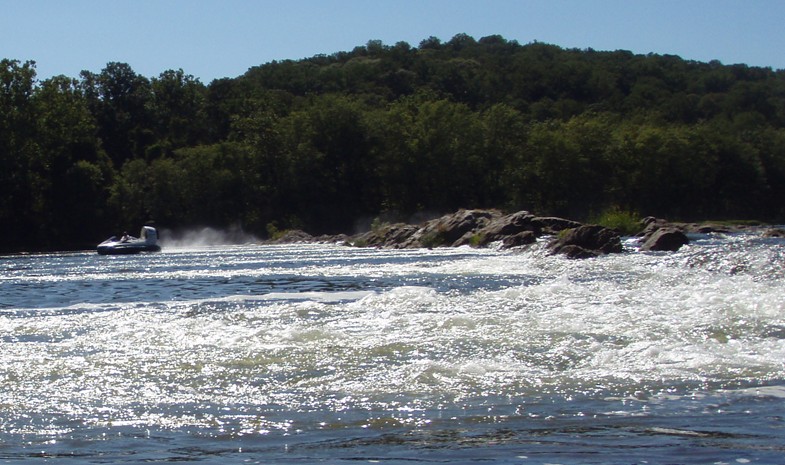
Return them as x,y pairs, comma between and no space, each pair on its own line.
300,354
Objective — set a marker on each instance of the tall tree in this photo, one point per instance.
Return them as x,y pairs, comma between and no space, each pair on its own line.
19,185
120,99
74,171
178,111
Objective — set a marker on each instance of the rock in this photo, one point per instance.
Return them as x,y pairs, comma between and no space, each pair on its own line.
710,229
477,228
520,239
507,228
652,224
388,236
649,220
774,232
553,225
293,236
586,241
451,230
341,239
575,251
667,239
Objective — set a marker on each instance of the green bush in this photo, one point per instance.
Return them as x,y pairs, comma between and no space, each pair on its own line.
273,233
626,222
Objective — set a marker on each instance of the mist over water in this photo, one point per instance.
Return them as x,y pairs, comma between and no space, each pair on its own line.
307,353
202,237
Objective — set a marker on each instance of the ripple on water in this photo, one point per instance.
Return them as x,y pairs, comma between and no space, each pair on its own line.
410,345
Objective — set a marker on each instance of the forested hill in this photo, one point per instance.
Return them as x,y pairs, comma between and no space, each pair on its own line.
330,142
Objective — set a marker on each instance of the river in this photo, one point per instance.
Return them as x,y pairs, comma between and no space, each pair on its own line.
298,354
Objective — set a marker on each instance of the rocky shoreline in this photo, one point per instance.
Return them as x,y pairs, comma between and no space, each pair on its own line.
480,228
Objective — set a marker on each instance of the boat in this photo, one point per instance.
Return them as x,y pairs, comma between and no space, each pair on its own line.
146,242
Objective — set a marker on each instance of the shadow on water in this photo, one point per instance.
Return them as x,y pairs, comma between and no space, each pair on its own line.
565,439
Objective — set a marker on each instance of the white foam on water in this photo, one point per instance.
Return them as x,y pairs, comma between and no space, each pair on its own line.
634,324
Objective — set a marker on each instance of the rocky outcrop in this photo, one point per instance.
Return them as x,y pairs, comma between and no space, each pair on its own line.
481,228
665,239
521,225
554,225
293,236
661,235
586,241
453,230
652,224
774,232
391,236
708,228
520,239
477,228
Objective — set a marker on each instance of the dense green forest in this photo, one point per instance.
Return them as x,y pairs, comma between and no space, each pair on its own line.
329,142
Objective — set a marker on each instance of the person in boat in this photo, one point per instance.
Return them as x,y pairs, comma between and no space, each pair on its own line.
125,237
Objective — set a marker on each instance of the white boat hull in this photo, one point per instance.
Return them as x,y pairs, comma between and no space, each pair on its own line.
147,243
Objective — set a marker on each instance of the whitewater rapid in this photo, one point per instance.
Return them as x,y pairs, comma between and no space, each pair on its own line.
304,339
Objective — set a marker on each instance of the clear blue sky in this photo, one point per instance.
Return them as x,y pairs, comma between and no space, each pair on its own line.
212,39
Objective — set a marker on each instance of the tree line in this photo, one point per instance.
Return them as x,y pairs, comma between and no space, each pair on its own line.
330,142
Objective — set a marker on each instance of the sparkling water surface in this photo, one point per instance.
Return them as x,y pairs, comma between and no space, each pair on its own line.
330,354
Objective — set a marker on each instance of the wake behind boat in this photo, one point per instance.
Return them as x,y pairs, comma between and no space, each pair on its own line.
147,242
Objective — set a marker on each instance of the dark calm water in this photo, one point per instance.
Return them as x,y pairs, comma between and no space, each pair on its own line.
325,354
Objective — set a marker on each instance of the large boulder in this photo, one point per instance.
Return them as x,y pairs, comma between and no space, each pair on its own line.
709,228
451,230
665,239
520,239
651,225
510,230
553,224
292,236
774,232
386,236
586,241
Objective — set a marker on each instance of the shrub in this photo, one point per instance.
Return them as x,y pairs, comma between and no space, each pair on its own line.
627,223
273,233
